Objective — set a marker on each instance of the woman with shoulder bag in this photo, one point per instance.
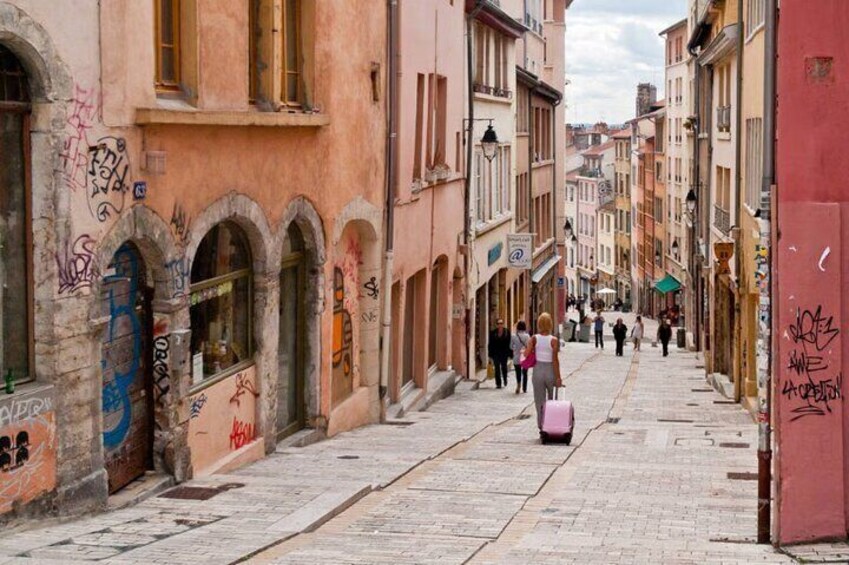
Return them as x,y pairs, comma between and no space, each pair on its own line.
519,343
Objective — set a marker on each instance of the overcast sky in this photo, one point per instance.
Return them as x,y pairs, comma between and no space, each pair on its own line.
611,45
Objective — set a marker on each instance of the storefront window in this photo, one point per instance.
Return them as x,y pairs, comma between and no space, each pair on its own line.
220,303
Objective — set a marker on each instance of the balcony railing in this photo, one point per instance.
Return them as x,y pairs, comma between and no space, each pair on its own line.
721,219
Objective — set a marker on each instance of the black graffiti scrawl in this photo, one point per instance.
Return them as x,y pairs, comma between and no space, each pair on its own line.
812,386
108,177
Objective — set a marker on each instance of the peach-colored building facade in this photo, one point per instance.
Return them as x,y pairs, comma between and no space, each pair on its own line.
206,228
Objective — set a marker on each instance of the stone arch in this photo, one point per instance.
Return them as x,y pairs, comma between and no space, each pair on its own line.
49,78
152,235
302,213
354,287
248,215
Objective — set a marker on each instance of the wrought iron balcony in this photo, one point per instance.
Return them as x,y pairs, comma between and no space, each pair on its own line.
721,219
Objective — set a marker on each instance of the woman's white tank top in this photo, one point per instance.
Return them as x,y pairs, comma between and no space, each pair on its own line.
543,351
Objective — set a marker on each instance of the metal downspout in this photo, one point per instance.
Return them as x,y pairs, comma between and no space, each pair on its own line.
695,182
467,204
768,218
738,255
554,190
391,170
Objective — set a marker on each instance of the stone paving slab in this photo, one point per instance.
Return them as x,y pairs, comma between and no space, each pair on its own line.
438,513
377,549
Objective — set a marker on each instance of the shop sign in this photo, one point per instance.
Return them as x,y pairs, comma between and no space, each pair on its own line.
494,253
211,292
723,253
520,250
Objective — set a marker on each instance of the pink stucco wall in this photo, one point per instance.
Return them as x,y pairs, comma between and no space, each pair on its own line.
810,414
428,223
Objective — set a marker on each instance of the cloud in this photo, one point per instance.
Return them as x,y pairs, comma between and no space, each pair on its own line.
611,46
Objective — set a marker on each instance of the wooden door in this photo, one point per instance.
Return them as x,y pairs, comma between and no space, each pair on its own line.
127,408
291,386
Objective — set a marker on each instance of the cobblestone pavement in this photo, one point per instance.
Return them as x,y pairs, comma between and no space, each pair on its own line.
646,480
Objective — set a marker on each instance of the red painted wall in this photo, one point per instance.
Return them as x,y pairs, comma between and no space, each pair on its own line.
812,263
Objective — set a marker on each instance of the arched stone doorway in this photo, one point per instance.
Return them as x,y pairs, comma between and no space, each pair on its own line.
127,369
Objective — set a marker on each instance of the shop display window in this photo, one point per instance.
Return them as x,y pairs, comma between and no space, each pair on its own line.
221,303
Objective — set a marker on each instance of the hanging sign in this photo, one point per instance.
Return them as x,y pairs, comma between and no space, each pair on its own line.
520,250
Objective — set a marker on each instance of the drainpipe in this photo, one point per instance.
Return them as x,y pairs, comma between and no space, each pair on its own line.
768,217
391,169
467,203
554,189
695,182
738,159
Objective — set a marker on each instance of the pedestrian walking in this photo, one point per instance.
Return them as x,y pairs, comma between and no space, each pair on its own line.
664,334
547,369
620,334
519,344
598,326
637,332
499,351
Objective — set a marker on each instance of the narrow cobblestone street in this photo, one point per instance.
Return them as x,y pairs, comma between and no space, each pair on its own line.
660,471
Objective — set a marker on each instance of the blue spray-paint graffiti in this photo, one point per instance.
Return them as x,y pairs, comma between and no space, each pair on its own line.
117,408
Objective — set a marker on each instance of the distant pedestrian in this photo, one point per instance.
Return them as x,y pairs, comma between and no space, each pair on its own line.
519,344
620,333
598,326
499,351
547,369
664,334
637,332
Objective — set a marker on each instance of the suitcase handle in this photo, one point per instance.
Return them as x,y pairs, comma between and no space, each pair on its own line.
556,389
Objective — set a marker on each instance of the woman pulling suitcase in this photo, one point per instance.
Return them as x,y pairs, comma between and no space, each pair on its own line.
543,350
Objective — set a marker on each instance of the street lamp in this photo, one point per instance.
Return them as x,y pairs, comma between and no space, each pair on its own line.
675,246
489,142
574,241
567,229
691,201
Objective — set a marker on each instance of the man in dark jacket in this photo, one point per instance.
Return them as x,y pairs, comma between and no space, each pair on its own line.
499,351
664,334
620,333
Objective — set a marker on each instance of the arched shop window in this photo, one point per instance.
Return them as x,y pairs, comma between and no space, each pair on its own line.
16,308
221,303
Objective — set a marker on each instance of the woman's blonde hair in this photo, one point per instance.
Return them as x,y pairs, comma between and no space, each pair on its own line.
544,323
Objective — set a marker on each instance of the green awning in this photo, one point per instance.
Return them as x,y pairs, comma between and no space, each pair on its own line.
667,284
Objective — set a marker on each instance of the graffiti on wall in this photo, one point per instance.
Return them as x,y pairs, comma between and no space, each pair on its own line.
197,405
161,368
27,449
343,329
180,224
178,275
76,265
222,419
244,385
74,154
241,434
108,177
812,387
122,359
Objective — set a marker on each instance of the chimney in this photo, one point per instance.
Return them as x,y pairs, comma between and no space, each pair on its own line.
646,96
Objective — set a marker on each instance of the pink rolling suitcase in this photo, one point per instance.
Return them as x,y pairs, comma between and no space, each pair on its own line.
558,419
